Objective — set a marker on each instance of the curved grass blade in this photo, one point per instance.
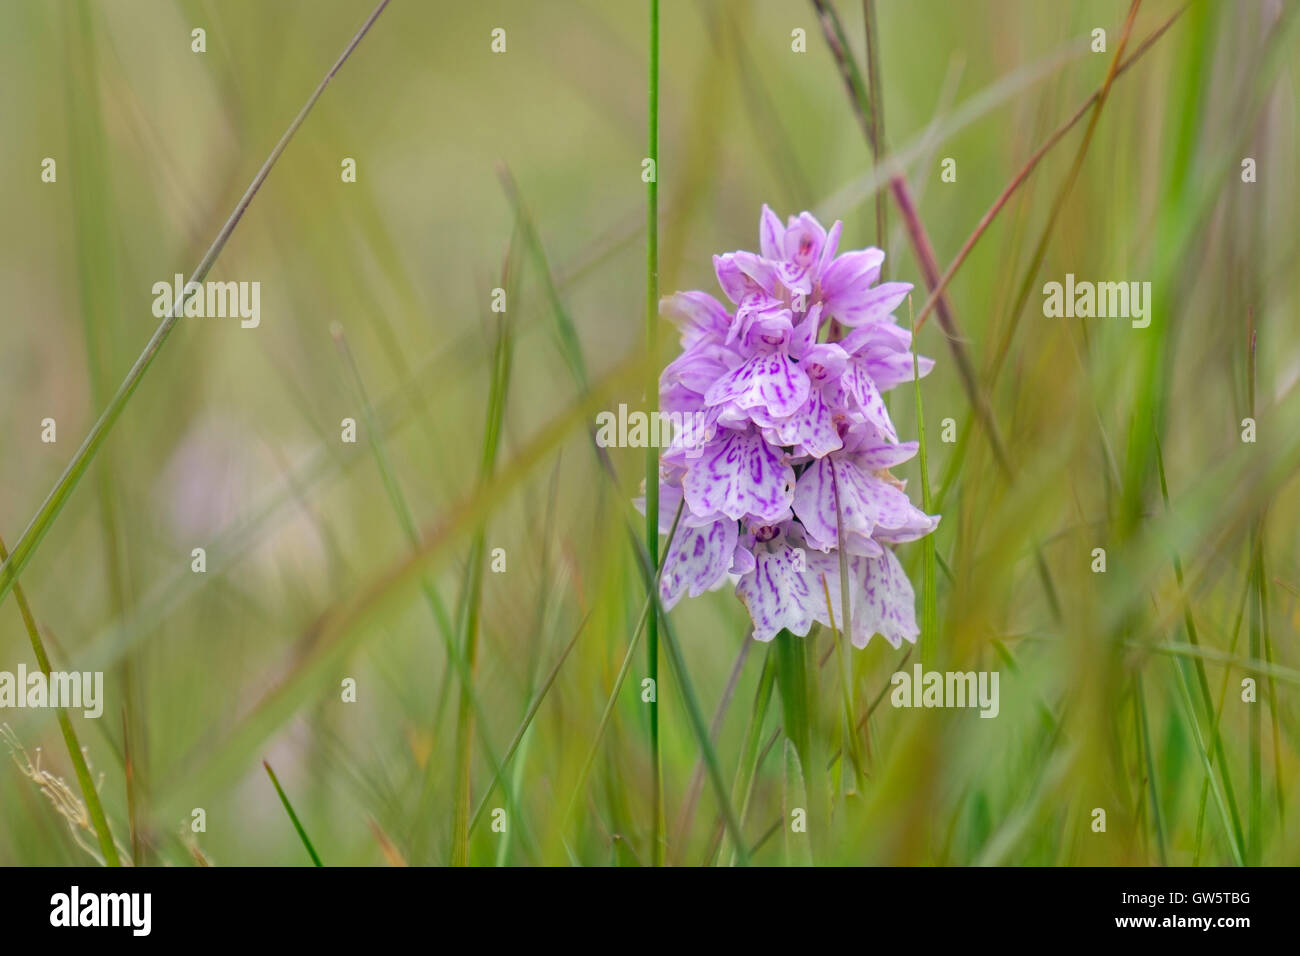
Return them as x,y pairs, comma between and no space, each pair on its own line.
466,712
526,723
751,757
93,807
618,681
58,497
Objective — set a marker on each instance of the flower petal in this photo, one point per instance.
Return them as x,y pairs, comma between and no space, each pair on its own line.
771,234
697,560
771,381
860,389
742,560
740,475
804,239
877,336
670,499
812,427
891,369
857,304
848,276
830,247
699,367
867,503
876,456
884,602
777,593
699,316
741,273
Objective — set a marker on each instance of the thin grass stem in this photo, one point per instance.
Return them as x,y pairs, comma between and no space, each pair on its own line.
44,519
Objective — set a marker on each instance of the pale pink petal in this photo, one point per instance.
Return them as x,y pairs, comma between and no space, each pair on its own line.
848,276
697,560
868,503
812,426
884,603
741,273
699,316
857,305
700,367
777,592
877,336
804,240
891,369
860,390
884,456
830,247
740,475
770,381
771,234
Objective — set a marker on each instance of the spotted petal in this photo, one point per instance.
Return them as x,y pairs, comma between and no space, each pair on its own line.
698,560
777,593
739,475
770,380
860,389
883,602
811,427
866,502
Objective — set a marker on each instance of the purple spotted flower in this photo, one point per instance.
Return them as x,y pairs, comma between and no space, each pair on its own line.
797,425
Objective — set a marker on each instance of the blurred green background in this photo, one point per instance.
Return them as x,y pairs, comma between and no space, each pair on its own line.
233,444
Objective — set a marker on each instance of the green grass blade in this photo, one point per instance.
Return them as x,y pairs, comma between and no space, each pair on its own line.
98,283
526,723
930,602
696,716
1144,729
293,817
465,717
406,520
88,793
747,767
798,851
1202,681
797,703
608,712
652,453
1237,851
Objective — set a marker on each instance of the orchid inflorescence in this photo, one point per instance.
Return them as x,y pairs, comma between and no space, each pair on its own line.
794,421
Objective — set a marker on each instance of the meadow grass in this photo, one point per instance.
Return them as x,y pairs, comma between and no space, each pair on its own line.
523,691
